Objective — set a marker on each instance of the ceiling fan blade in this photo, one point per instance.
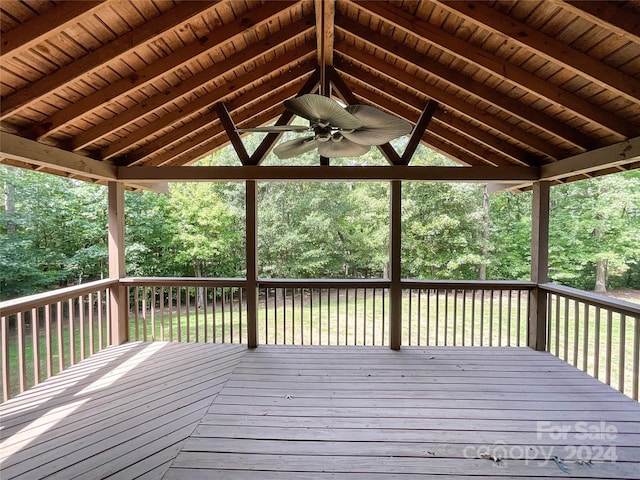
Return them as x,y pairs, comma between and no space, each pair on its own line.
293,148
342,149
318,108
275,128
377,128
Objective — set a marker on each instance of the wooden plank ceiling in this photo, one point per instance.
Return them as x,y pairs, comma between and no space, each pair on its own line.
155,82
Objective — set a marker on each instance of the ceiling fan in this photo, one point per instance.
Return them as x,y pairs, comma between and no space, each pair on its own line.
337,131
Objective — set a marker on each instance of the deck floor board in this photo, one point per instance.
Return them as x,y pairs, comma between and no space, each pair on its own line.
194,411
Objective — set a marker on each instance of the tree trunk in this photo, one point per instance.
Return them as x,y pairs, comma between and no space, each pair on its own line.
199,290
9,206
485,234
601,276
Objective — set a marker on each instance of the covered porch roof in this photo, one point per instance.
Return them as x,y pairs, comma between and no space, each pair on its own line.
102,91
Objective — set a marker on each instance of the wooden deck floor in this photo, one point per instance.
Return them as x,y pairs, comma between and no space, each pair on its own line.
198,411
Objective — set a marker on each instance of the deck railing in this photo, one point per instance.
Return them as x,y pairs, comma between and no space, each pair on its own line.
46,333
356,312
596,334
323,312
187,309
465,313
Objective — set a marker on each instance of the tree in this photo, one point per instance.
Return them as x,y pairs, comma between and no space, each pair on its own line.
207,236
509,246
595,230
52,232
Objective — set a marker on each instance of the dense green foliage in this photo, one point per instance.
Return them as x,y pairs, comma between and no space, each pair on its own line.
53,230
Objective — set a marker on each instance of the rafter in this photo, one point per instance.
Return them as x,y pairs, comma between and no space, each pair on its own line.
151,30
419,131
394,74
35,153
162,67
218,95
275,99
617,154
188,86
511,153
54,21
230,130
496,66
459,148
448,75
618,157
553,50
165,141
610,15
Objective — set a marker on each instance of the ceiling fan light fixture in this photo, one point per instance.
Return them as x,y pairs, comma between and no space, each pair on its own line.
338,132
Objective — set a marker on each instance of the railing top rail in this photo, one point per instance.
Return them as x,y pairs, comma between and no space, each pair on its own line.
469,284
22,304
324,282
184,282
620,306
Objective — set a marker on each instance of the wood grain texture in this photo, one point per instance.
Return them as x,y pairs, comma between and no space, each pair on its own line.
200,411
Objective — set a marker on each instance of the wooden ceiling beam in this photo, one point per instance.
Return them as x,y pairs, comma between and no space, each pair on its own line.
53,159
219,140
617,157
274,99
188,86
466,152
483,92
394,74
325,16
419,131
180,133
88,64
553,50
230,130
52,22
496,66
610,15
36,153
621,153
217,95
510,153
271,138
164,66
328,173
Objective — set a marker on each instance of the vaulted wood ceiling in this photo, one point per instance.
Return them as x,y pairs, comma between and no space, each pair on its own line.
157,83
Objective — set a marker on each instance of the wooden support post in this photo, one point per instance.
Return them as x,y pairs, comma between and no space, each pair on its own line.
230,128
251,206
395,290
118,308
539,265
418,131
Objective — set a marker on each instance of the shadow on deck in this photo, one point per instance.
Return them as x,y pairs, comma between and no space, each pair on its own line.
196,411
